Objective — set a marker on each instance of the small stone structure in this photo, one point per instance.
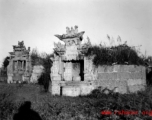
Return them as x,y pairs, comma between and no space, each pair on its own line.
19,68
36,73
74,74
70,67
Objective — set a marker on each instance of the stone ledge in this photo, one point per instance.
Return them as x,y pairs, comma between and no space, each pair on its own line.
120,68
135,88
131,82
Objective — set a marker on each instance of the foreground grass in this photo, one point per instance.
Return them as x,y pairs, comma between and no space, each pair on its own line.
89,107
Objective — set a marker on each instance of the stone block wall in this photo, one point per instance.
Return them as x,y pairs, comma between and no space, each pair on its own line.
36,73
119,78
125,78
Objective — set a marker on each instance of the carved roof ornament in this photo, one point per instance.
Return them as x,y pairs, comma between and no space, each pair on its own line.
20,48
59,48
86,46
89,43
71,33
21,44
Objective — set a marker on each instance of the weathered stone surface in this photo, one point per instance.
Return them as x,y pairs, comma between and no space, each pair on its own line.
19,63
68,71
123,75
86,89
37,72
108,76
77,75
55,89
71,91
131,82
143,73
116,68
101,69
109,69
58,77
136,75
77,78
135,88
9,78
71,52
122,89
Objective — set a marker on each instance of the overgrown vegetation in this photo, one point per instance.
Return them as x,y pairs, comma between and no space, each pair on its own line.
5,62
74,108
121,54
44,60
114,54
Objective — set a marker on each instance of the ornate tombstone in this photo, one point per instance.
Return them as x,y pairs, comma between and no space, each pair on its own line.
70,67
19,68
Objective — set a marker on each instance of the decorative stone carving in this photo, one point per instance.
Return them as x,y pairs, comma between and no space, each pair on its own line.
73,33
59,47
89,69
20,63
67,30
55,69
76,29
70,69
37,72
71,52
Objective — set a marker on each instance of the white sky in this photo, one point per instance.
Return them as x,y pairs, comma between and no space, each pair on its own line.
37,21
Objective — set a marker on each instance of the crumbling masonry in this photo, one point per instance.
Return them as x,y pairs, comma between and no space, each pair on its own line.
74,74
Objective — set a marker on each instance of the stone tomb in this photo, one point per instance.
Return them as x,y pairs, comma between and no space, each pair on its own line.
70,68
19,68
74,74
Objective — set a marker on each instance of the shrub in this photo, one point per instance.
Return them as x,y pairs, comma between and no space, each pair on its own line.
5,62
35,57
121,54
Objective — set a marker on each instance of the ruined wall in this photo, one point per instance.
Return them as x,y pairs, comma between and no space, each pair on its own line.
119,78
36,73
73,73
124,78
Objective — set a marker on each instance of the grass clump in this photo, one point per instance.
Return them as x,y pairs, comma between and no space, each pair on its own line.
88,107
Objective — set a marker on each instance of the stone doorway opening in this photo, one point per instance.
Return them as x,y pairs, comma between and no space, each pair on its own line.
74,70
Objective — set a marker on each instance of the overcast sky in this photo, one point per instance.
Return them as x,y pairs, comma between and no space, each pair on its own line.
37,21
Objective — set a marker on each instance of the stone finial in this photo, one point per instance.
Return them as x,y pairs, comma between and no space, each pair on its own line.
72,31
58,46
21,44
89,43
76,29
28,48
67,30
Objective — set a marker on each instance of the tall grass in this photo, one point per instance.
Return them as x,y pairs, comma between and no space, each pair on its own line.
77,108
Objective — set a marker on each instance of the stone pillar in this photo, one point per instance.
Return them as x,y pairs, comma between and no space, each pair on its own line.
22,65
55,75
10,72
9,78
68,71
88,69
17,65
61,65
76,71
26,68
55,87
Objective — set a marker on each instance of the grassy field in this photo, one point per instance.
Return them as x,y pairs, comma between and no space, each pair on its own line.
91,107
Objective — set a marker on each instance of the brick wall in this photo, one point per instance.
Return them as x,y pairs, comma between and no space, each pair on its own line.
125,78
